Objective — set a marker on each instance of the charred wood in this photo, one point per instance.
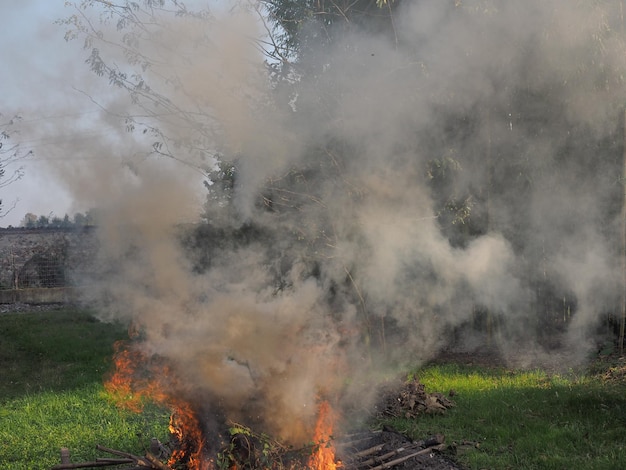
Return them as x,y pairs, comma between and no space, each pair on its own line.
407,457
395,449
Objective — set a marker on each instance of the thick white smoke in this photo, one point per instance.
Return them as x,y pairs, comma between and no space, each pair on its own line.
367,160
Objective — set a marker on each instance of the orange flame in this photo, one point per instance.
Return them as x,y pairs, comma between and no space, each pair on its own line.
137,380
185,426
121,384
323,457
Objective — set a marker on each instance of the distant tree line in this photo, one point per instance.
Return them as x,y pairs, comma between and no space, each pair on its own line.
51,221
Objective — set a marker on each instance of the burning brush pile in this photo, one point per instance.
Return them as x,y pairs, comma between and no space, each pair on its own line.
200,440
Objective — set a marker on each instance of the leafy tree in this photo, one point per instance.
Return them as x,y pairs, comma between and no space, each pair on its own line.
162,110
301,24
508,164
483,157
43,221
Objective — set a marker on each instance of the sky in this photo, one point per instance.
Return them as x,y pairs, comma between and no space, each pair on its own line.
36,87
50,87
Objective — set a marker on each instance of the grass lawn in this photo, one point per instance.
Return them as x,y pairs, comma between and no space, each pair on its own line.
51,396
51,392
526,419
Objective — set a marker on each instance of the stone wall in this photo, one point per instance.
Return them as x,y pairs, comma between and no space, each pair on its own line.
50,257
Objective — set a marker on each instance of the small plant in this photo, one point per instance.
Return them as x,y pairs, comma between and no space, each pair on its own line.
250,450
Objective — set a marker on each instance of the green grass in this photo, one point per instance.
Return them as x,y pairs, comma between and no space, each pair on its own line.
56,350
51,393
526,419
51,396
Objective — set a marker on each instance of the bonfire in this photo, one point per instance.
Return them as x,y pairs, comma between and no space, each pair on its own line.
193,445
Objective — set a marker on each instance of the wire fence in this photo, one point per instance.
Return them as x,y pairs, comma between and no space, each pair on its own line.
45,259
40,271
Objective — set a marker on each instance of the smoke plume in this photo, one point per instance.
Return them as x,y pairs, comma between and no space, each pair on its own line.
394,190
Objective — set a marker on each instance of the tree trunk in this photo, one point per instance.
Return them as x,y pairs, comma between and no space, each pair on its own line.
490,321
622,324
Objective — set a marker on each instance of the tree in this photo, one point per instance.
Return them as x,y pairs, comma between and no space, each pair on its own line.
66,222
10,156
501,137
300,24
480,115
80,219
163,107
29,221
43,221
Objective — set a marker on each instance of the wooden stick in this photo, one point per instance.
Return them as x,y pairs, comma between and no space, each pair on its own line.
350,439
407,457
68,466
360,434
114,452
113,461
135,458
383,457
354,442
369,451
156,462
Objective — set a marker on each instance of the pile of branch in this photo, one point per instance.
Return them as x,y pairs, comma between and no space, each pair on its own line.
412,400
150,461
372,452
